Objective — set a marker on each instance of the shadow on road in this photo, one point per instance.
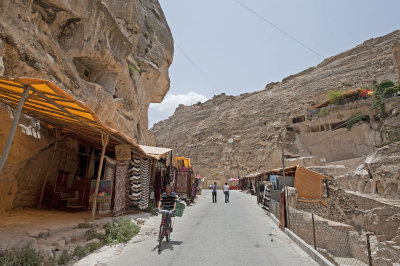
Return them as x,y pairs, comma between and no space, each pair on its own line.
167,245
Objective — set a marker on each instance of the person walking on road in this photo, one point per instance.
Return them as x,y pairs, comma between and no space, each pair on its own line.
226,192
214,192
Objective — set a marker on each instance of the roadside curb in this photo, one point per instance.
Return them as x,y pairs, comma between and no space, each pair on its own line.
315,255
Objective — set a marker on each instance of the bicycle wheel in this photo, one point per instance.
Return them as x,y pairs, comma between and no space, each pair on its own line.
160,237
167,235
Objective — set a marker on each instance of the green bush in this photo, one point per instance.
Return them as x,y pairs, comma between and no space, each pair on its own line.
80,251
354,120
323,112
383,85
64,258
120,231
378,102
391,90
20,256
335,96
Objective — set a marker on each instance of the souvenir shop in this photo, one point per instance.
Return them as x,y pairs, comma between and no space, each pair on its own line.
89,165
163,172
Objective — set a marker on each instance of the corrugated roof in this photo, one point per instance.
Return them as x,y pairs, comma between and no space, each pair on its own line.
51,104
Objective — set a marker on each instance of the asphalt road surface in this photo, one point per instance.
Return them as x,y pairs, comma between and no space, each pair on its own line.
235,233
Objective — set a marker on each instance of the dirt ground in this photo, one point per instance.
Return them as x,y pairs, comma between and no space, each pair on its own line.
19,224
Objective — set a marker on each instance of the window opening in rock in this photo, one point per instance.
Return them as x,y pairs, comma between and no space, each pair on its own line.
299,119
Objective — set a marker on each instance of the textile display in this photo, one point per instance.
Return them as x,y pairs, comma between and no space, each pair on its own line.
104,192
134,182
182,182
145,183
109,169
121,172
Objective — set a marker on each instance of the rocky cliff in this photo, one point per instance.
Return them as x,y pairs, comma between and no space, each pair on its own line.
113,55
230,131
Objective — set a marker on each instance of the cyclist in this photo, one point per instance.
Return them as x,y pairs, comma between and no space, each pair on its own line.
168,202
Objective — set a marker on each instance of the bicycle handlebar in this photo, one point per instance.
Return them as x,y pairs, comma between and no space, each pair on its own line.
167,211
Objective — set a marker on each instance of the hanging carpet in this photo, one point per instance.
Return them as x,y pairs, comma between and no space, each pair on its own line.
121,172
145,183
134,182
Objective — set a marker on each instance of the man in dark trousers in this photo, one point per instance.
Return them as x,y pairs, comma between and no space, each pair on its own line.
214,192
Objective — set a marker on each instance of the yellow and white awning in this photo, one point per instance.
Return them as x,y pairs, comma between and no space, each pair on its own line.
54,106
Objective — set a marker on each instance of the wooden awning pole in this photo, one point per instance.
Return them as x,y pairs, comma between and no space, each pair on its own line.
7,147
48,172
104,142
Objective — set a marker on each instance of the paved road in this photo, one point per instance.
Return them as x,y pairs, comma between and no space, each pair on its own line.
235,233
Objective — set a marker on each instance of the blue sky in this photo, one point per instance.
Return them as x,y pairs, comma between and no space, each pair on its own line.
238,52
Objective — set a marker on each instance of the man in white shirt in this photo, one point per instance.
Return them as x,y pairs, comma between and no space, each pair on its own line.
226,192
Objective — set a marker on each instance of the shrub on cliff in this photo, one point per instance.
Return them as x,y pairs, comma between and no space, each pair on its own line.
354,120
335,96
378,103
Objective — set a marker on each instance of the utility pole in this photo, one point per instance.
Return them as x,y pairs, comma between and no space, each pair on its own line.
285,190
283,162
237,167
282,143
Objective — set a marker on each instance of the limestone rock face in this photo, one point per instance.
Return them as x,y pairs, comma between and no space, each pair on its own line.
230,133
113,55
380,173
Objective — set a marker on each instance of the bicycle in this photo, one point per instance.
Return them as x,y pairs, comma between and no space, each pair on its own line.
164,231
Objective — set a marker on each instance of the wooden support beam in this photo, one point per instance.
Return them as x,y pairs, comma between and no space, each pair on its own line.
17,114
104,141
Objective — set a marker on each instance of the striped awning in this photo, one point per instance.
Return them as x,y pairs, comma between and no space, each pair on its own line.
57,108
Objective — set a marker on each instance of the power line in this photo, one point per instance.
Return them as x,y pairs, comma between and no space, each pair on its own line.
198,69
279,29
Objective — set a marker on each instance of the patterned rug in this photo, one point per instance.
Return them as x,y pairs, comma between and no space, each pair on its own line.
145,183
134,182
119,188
